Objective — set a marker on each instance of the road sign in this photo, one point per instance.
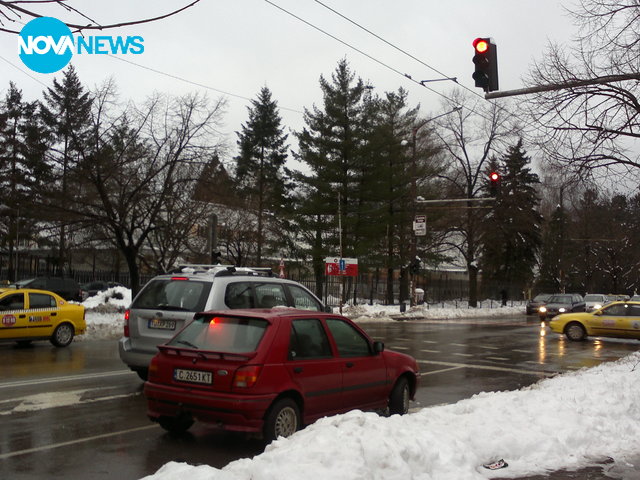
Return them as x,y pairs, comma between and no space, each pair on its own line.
347,267
420,225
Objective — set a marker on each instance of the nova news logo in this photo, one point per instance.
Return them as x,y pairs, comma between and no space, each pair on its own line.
46,45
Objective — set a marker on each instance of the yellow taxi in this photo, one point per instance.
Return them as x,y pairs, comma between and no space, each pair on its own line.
27,315
617,319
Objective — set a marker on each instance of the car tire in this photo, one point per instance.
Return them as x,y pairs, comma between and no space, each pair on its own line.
575,332
62,335
282,419
399,397
176,425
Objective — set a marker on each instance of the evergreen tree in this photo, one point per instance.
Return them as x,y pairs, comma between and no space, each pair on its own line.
261,163
66,111
551,277
332,148
22,168
512,230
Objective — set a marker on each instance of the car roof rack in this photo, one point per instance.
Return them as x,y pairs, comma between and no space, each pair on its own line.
222,270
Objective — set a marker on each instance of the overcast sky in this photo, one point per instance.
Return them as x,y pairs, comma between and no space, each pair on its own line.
239,47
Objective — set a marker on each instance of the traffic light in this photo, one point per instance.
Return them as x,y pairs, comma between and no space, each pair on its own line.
494,183
486,63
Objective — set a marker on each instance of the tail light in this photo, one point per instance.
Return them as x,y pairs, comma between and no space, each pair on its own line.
246,377
126,323
153,369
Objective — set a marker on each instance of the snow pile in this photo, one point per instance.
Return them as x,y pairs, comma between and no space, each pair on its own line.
567,421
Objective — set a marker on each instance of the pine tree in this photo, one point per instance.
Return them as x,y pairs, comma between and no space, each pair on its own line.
261,163
512,231
66,112
332,148
22,167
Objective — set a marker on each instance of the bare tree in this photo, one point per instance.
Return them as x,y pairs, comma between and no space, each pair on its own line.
470,138
593,126
140,174
20,10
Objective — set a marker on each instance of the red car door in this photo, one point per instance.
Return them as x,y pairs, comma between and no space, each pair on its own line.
314,369
364,375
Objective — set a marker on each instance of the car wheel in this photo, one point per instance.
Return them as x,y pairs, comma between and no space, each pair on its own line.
62,335
575,332
399,398
282,420
176,425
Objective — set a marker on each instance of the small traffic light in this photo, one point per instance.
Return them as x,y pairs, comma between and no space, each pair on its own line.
494,183
486,64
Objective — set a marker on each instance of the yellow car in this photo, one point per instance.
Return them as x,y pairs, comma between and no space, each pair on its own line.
617,319
27,315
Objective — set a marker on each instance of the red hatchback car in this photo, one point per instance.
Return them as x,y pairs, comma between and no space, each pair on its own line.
273,371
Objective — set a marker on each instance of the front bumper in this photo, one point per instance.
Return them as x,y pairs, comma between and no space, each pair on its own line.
244,413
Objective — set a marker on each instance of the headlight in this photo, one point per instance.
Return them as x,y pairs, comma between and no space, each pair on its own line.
597,307
562,310
542,309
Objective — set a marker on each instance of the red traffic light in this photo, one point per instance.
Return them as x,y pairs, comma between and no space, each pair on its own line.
494,176
481,45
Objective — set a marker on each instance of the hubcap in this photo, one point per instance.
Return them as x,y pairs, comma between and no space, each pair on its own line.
405,399
286,422
64,334
575,332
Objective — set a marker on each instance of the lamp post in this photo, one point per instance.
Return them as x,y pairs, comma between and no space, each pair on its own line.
414,193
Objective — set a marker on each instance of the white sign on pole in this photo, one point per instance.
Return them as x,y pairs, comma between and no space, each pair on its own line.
420,225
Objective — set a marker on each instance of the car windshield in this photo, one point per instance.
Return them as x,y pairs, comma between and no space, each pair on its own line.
542,297
594,298
222,334
173,294
560,299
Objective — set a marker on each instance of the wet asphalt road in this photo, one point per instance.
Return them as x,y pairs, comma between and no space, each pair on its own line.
78,413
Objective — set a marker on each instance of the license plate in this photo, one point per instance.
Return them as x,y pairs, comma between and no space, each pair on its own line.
193,376
161,324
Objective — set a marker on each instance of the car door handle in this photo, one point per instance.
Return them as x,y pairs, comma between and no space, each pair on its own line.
349,364
298,370
53,314
22,316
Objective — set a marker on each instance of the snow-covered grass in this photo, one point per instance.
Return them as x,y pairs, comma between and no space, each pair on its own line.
568,421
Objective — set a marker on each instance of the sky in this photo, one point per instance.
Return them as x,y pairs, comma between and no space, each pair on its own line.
239,47
569,421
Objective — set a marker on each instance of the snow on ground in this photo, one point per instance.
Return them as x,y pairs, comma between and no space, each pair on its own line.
569,421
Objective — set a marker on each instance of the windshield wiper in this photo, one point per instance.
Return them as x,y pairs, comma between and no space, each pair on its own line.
187,343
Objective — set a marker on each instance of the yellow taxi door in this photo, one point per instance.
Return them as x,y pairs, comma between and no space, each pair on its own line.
610,321
42,313
631,323
13,319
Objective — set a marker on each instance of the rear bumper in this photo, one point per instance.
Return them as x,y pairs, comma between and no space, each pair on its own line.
134,358
243,413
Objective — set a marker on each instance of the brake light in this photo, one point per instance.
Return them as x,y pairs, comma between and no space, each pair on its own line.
246,377
126,323
179,278
153,368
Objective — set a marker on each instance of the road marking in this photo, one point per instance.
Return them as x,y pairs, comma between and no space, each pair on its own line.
460,344
430,351
74,442
430,341
43,401
398,347
464,354
68,378
488,347
488,367
502,359
522,351
440,371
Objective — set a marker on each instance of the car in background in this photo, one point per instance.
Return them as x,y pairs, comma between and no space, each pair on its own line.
273,371
66,287
595,301
168,302
617,298
561,303
617,319
27,315
536,302
91,289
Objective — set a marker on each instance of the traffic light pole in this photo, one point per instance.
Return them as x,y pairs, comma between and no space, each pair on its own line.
561,86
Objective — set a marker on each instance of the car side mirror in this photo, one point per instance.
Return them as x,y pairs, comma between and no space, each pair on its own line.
378,347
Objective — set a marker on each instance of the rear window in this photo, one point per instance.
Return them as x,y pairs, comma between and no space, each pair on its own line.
222,334
172,294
